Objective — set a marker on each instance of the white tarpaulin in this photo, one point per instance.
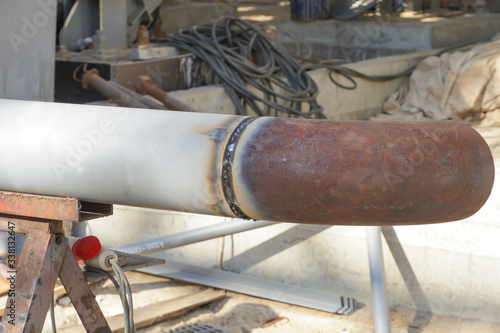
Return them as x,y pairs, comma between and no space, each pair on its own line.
458,85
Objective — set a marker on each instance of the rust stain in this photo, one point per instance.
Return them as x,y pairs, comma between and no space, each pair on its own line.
86,301
39,206
273,321
145,86
364,173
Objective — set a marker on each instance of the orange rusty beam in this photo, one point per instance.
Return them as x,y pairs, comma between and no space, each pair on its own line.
92,80
51,208
40,206
145,86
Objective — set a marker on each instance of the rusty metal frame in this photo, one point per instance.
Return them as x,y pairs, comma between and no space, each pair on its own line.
45,257
51,208
43,207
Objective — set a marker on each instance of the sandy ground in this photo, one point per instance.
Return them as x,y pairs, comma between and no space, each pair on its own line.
238,313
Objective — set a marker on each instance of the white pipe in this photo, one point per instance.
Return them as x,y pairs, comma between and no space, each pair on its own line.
145,158
266,168
102,260
192,236
377,279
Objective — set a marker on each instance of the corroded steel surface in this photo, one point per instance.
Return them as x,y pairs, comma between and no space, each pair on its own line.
81,295
361,173
36,276
50,207
24,225
40,206
146,100
143,85
46,256
92,80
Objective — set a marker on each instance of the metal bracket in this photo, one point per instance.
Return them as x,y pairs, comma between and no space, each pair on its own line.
256,287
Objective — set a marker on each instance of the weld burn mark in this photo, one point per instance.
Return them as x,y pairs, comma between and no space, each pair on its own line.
217,134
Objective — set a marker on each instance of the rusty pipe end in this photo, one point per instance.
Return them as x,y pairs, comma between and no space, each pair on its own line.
86,77
139,84
361,173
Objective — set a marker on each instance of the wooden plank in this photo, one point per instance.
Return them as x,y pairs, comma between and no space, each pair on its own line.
166,310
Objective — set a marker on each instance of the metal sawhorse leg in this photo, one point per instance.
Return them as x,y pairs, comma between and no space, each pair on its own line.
45,257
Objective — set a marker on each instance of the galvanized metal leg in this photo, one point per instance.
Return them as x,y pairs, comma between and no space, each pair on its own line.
46,256
424,313
377,278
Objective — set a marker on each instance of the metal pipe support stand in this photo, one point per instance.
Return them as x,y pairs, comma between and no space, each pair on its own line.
45,257
377,279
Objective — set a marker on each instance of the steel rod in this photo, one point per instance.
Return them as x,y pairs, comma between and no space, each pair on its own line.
146,100
248,285
377,280
92,80
193,236
424,314
272,169
145,86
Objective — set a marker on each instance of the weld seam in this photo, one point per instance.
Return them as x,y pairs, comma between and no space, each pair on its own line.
227,168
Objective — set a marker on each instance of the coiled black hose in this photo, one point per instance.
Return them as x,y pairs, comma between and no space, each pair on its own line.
259,73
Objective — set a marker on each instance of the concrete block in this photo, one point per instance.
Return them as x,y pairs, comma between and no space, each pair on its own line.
493,6
372,37
463,29
183,15
27,49
145,52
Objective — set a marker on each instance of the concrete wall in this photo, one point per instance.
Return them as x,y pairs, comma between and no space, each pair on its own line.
176,15
493,6
27,49
386,35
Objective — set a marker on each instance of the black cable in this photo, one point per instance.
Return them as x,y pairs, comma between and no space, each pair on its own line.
243,56
123,292
246,59
103,272
126,295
